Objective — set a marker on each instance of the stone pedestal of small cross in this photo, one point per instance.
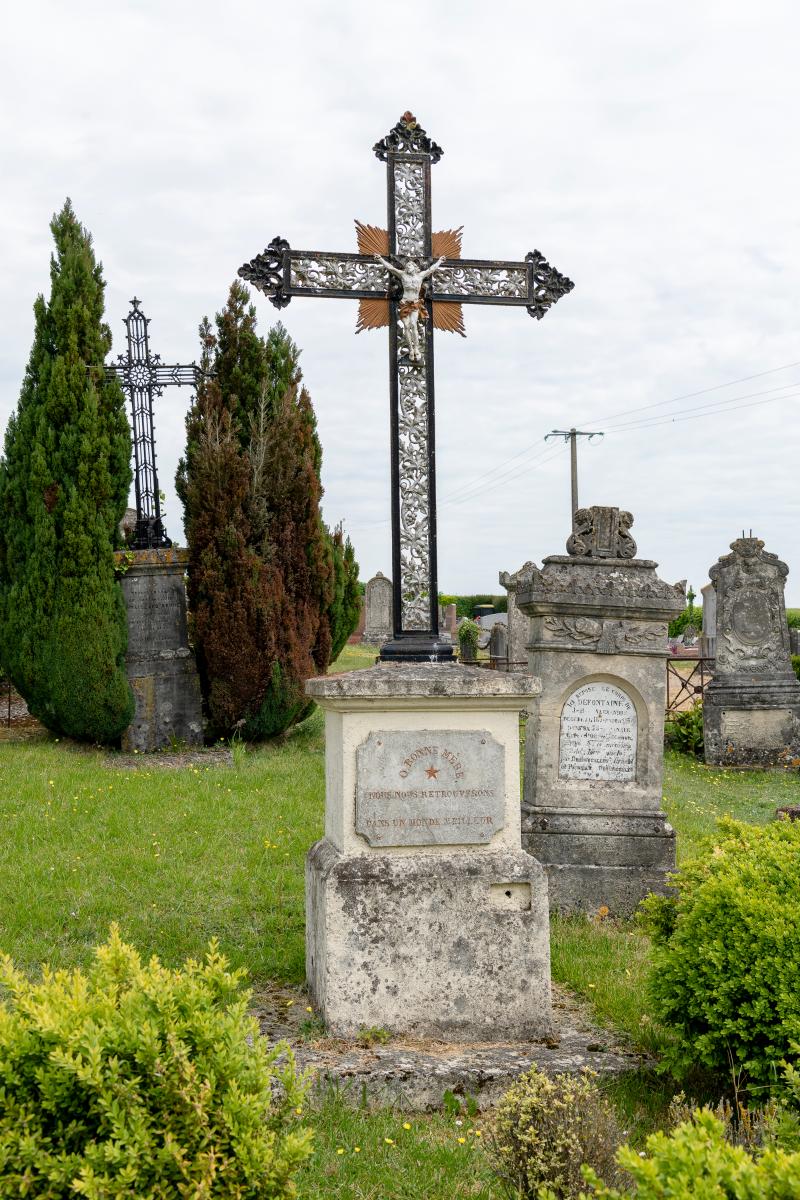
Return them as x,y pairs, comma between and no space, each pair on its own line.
412,280
143,376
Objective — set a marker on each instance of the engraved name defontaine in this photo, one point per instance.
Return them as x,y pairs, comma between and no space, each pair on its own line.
429,787
598,734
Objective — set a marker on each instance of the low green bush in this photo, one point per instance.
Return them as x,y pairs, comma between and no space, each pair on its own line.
696,1162
793,618
545,1128
138,1080
796,664
468,634
725,973
684,730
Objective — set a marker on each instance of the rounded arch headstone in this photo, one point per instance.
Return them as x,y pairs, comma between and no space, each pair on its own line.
595,744
378,624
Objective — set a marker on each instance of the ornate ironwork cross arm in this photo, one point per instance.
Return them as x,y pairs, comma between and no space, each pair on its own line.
547,285
280,273
157,375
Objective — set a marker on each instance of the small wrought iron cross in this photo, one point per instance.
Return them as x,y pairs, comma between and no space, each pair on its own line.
143,375
412,280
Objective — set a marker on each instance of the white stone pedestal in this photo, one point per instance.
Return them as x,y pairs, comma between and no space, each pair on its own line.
424,915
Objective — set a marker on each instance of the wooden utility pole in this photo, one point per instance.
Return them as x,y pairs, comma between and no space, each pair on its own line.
571,436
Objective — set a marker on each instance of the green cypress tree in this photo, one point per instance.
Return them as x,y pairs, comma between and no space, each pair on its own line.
64,485
345,607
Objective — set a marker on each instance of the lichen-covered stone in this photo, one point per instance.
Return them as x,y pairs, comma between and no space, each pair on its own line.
423,913
159,662
751,709
594,750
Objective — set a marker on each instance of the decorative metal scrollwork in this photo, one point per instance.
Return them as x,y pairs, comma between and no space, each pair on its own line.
414,481
407,137
409,209
330,272
491,280
549,285
266,271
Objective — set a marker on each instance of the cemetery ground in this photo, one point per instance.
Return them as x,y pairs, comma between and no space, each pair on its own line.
214,848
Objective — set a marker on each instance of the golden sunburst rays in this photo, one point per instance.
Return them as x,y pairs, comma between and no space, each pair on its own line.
374,312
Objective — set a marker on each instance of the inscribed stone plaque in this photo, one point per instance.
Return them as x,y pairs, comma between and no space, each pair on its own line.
598,734
756,728
429,787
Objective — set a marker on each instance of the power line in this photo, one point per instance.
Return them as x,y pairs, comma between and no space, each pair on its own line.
653,422
468,487
500,468
715,404
702,392
523,470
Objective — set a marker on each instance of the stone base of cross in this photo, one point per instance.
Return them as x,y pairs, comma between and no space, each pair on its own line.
411,280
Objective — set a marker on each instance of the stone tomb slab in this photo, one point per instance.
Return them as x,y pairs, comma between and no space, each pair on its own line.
598,734
761,729
429,787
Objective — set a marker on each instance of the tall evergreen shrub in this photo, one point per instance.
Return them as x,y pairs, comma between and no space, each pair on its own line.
64,484
264,588
345,607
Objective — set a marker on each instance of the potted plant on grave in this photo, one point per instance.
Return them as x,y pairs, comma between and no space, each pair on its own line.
468,632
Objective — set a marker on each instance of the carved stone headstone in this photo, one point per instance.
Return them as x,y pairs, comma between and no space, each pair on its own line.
519,623
751,709
594,747
451,620
424,914
378,610
159,661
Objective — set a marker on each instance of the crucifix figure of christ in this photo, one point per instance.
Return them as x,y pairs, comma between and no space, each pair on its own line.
411,280
143,376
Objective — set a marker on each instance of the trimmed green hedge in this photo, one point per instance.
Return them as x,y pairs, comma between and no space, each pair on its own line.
134,1079
725,973
465,604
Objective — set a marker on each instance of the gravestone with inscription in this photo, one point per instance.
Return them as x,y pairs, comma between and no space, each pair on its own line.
594,748
424,914
378,610
751,709
159,661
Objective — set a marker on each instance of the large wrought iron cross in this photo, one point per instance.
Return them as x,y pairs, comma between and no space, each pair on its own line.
143,376
412,280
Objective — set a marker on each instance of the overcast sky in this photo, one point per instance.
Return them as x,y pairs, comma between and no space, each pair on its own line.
649,150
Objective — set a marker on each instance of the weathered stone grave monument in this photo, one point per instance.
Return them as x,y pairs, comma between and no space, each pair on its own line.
160,663
751,708
595,743
519,623
424,914
378,610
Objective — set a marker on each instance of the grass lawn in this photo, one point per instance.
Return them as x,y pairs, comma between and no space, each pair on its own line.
178,856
